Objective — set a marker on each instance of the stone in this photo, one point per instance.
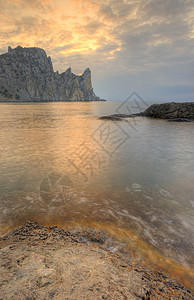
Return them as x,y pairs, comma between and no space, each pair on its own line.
69,269
26,74
116,117
179,120
172,110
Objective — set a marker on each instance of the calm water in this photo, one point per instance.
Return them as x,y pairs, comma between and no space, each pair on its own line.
59,164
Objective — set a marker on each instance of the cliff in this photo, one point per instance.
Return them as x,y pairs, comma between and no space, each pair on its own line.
26,74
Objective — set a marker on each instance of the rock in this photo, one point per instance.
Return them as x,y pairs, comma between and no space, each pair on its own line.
116,117
174,112
177,111
179,120
26,74
111,117
68,269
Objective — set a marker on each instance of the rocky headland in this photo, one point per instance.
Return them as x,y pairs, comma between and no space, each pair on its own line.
26,74
177,112
39,262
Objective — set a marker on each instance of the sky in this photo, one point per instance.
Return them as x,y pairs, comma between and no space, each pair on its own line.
146,46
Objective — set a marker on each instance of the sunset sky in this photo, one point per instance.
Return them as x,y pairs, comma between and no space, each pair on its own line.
145,46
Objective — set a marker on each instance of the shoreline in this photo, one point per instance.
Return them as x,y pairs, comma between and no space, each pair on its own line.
51,101
41,262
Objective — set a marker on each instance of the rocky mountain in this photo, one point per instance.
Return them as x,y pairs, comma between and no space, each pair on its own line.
26,74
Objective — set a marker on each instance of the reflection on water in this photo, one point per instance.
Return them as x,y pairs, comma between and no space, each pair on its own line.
60,165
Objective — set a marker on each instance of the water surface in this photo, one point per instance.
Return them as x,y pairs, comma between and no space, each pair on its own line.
60,164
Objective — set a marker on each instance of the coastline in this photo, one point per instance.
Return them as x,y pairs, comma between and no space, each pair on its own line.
41,262
53,101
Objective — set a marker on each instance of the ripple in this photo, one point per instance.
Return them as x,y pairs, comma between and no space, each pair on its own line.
136,187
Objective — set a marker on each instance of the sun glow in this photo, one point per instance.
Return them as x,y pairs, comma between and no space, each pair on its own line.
80,48
63,27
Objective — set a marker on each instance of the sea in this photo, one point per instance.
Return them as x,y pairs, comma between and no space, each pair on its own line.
134,179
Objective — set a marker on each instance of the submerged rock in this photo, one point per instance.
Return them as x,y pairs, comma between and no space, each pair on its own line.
117,117
26,74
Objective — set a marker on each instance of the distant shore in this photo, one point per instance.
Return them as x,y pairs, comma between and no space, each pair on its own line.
32,102
39,262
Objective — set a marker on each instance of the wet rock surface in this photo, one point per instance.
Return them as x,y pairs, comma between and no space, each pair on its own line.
180,120
117,117
40,262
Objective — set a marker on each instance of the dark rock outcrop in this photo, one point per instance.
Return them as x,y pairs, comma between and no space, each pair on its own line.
180,120
174,112
115,117
26,74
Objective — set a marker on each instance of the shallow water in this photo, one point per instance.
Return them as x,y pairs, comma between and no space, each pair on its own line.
60,164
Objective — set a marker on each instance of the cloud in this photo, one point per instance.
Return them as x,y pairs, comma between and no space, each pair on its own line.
107,12
148,43
92,27
167,8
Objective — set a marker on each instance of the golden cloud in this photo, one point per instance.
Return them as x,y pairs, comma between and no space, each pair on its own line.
129,33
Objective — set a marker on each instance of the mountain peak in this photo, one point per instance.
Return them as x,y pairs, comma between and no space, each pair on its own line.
26,74
9,49
86,72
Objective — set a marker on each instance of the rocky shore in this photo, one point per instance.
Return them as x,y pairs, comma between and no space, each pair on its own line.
39,262
177,112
